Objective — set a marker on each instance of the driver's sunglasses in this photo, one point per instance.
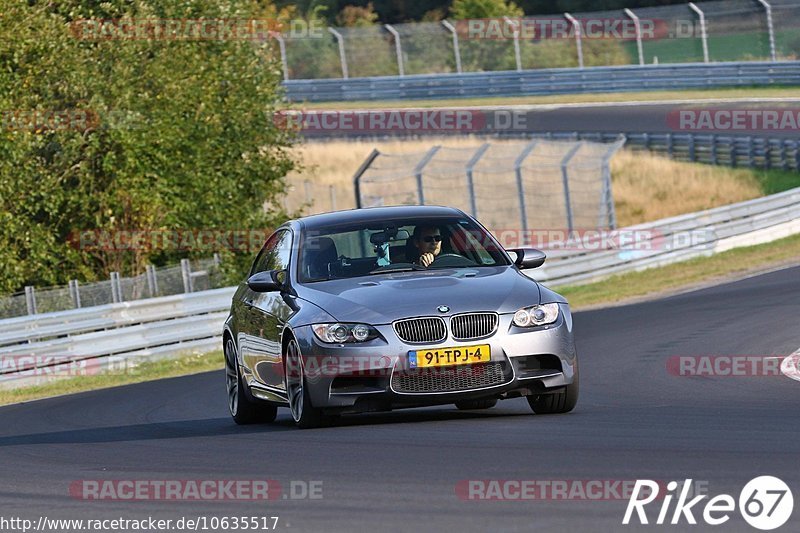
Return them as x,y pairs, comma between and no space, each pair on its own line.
432,238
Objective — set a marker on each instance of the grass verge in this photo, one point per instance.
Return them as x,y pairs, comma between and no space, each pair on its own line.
643,96
684,275
147,371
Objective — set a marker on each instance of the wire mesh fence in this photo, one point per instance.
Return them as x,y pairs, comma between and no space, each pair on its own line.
721,30
190,276
529,184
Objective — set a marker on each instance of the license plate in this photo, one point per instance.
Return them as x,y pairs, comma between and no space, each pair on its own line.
461,355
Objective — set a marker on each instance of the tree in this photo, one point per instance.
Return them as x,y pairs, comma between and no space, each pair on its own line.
177,134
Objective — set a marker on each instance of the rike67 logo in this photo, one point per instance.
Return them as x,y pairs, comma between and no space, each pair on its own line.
765,503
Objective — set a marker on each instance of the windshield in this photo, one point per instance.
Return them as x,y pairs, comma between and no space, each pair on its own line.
371,248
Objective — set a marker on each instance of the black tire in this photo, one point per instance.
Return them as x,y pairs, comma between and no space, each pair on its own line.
244,409
304,414
469,405
559,402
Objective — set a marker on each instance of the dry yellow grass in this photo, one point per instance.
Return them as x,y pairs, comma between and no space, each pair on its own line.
645,186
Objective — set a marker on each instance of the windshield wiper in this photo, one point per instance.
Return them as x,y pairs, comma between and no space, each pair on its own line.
388,269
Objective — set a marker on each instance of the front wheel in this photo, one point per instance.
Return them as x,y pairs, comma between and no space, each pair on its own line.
304,414
243,409
559,402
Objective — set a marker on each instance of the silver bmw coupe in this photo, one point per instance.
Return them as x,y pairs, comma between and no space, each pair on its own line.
390,307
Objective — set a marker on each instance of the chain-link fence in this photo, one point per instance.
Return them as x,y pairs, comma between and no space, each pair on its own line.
726,30
190,276
525,185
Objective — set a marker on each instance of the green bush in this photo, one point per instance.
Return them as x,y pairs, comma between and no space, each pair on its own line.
184,137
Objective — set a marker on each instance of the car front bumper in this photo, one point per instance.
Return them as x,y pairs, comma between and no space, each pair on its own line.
375,376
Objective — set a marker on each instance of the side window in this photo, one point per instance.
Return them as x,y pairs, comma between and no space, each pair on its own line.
275,254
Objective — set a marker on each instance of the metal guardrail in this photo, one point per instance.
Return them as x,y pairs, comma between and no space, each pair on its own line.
547,81
163,327
730,150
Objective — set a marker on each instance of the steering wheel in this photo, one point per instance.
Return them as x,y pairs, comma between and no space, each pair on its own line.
450,259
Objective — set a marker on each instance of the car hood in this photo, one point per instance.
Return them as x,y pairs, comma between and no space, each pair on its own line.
383,298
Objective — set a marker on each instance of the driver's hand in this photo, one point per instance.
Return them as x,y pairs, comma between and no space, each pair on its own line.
426,259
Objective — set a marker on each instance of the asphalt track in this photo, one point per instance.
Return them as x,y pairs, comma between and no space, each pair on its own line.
398,471
630,117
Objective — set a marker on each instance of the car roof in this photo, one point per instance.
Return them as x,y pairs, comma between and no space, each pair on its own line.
373,214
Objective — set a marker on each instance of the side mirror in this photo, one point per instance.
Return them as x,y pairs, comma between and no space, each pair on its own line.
528,257
265,281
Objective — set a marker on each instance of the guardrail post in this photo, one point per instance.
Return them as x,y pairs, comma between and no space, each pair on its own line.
152,280
750,152
523,215
733,152
714,157
398,48
565,179
770,29
473,205
638,28
75,293
767,154
577,27
357,176
342,56
517,55
116,288
646,138
30,299
703,33
692,153
332,191
186,274
670,145
784,155
456,49
418,172
797,155
284,62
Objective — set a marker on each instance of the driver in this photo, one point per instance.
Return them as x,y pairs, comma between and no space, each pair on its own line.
428,242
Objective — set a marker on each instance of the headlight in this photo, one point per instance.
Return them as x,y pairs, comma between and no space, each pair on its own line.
339,333
538,315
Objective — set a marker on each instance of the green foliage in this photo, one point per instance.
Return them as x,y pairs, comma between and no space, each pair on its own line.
180,135
478,9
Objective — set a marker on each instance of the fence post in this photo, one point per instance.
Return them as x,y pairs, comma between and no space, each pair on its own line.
357,176
456,49
418,172
398,48
333,197
770,29
638,28
517,55
577,27
342,56
152,280
30,299
473,204
75,293
608,197
116,288
523,214
703,33
565,179
284,61
714,157
186,274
